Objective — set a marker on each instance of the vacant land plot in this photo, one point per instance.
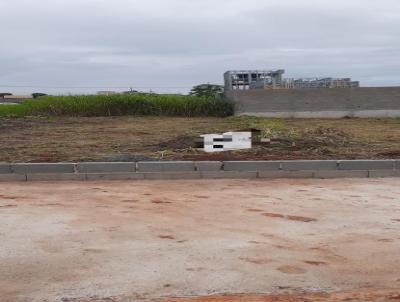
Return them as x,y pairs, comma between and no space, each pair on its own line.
134,138
291,240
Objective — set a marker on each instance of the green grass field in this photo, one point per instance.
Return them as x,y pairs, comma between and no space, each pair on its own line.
118,105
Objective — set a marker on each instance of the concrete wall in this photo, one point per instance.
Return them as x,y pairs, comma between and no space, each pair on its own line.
318,103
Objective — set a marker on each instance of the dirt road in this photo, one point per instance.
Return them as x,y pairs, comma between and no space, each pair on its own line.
261,241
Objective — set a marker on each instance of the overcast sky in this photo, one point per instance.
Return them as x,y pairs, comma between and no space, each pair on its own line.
180,43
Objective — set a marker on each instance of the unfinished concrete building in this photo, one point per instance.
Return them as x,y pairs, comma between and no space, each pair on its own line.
253,79
273,79
320,83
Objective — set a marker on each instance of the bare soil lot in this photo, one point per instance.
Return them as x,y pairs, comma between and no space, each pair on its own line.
260,241
129,138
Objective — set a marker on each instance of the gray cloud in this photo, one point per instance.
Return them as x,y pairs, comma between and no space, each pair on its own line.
179,43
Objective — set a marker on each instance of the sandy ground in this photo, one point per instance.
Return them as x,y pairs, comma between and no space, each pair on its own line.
261,241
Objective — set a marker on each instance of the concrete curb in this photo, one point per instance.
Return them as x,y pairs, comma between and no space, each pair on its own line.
5,168
43,168
165,166
252,165
108,167
199,170
367,164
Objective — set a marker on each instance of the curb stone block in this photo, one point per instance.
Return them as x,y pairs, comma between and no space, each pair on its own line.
55,177
114,176
108,167
12,177
384,173
5,168
307,165
397,164
208,165
252,165
366,164
171,175
164,166
341,174
286,174
229,175
42,168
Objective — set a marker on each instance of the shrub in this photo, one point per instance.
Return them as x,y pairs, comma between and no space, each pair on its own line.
38,94
207,90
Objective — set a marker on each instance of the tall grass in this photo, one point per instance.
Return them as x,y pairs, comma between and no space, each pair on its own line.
119,104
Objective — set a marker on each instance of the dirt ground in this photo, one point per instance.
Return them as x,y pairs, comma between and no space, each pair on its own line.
130,138
202,240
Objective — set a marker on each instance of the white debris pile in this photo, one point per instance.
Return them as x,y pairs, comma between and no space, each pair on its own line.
228,141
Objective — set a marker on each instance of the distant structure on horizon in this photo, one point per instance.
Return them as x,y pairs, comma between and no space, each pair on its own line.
273,79
106,92
10,98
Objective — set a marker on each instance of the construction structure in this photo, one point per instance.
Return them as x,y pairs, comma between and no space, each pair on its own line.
273,79
253,79
319,83
106,92
10,98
